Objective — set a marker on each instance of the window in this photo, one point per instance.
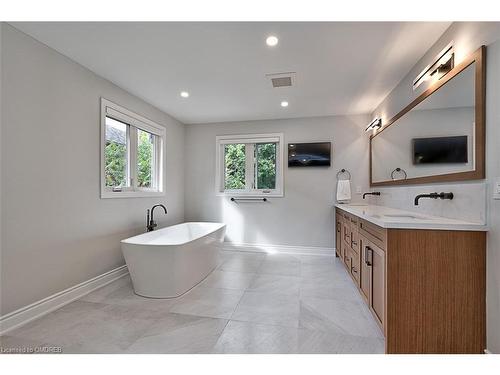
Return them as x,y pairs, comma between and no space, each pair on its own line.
131,155
250,165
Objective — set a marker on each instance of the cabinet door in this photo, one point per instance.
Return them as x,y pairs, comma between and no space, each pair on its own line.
355,240
338,235
346,231
376,262
345,255
365,277
355,270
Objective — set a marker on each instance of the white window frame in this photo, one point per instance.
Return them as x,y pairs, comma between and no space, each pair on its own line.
135,121
250,164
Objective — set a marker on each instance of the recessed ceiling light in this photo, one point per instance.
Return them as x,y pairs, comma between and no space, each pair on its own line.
184,94
271,41
284,103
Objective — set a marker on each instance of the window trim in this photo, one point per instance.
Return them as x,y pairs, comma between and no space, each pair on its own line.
135,121
222,140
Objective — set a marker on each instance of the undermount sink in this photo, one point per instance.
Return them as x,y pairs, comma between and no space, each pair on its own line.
398,216
402,216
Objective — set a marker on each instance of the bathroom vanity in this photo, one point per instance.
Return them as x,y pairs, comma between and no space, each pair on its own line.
423,277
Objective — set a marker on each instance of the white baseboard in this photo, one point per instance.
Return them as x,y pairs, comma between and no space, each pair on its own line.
34,311
279,249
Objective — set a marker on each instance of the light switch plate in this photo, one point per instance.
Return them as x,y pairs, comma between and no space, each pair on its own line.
496,189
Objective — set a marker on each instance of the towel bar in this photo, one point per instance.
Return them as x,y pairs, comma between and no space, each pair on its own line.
233,199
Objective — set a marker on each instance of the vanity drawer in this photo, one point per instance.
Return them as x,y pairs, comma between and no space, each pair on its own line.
346,257
338,234
355,240
374,233
346,233
355,267
353,221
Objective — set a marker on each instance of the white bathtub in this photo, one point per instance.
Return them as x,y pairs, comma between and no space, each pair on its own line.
168,262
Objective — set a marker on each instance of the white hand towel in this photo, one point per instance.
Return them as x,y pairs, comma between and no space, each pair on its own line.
343,190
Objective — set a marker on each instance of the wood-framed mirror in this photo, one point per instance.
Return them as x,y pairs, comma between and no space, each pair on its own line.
439,136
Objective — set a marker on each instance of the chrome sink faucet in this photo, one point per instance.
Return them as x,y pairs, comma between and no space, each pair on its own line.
150,222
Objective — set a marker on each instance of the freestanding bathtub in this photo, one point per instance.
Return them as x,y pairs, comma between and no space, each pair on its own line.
168,262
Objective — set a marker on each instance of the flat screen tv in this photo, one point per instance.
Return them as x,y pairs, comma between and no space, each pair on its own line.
440,150
309,154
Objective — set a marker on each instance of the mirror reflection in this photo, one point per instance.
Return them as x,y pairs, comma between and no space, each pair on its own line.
434,138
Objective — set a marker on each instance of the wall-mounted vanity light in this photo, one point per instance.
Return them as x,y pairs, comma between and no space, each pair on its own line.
442,64
374,125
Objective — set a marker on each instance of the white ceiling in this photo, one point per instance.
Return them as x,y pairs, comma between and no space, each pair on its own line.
342,67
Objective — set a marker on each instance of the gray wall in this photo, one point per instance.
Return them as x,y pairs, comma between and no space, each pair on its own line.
304,216
467,38
56,231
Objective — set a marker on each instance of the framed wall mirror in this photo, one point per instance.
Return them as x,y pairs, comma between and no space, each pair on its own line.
440,136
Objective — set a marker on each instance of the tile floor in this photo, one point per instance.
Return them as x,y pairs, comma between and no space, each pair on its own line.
252,303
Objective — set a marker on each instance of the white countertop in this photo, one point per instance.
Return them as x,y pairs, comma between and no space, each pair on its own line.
387,217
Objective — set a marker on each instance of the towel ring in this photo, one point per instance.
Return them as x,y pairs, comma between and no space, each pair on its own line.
344,171
399,170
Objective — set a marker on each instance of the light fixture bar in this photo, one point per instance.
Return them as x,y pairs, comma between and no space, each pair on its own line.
375,124
442,64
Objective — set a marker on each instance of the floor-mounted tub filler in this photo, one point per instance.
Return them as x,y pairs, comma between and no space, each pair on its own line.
168,262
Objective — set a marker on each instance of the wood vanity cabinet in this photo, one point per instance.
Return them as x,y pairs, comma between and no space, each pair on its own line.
338,235
425,288
373,279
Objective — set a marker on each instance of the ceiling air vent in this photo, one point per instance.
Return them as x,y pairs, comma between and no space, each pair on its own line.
282,79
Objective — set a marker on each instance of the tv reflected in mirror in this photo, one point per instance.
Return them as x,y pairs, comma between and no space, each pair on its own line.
315,154
440,150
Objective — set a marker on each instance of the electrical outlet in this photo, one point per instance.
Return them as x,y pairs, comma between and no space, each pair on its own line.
496,189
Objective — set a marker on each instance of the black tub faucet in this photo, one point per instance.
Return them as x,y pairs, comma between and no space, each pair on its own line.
150,222
372,193
433,196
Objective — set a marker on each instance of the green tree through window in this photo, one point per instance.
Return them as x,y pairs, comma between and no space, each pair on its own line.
145,152
234,162
116,164
266,165
115,153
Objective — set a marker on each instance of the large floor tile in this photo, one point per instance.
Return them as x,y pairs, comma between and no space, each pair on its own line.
176,333
102,294
244,337
240,264
323,270
228,280
326,275
243,255
276,267
318,342
284,258
253,303
85,327
266,283
316,259
208,302
332,289
268,308
344,317
125,296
